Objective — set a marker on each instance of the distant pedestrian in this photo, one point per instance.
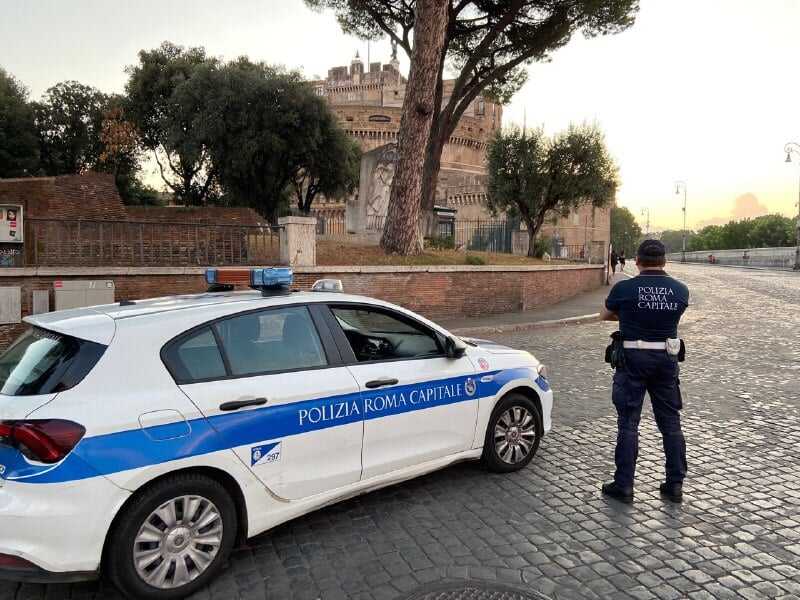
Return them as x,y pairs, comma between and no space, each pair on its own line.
614,261
622,260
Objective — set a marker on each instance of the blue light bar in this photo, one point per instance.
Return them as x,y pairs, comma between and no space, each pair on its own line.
271,278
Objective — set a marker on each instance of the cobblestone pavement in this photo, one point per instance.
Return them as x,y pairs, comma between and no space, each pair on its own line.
547,528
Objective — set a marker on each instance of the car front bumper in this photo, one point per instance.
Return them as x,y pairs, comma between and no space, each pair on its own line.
58,529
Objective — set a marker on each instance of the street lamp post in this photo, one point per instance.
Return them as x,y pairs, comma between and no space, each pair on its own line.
646,213
789,148
678,186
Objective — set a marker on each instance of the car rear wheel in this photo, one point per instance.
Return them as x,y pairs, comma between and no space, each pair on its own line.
513,434
172,539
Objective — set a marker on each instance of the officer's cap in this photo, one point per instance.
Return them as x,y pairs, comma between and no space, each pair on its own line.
651,249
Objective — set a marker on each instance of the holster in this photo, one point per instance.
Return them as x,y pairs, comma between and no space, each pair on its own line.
615,353
677,348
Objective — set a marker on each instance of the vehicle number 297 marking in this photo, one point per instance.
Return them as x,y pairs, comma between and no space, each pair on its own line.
265,453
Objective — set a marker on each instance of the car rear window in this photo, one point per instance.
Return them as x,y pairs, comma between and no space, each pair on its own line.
44,362
195,358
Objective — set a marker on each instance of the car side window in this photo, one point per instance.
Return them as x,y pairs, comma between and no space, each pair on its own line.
381,335
195,358
280,339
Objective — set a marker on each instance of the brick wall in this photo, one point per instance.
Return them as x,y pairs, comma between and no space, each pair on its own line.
211,215
86,196
435,292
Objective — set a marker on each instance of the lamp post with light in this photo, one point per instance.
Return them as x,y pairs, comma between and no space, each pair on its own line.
646,213
789,148
681,185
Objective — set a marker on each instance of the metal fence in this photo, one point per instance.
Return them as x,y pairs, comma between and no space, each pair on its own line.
772,258
54,242
493,235
331,225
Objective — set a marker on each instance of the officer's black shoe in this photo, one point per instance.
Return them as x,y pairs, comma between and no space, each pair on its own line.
612,490
672,492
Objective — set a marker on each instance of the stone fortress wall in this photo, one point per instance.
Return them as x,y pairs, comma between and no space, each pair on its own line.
368,100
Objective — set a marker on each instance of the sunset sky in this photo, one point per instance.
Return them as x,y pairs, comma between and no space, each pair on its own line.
706,91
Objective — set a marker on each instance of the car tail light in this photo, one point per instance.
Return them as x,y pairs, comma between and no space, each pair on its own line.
9,561
44,440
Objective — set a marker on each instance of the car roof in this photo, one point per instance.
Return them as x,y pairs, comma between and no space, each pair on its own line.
98,323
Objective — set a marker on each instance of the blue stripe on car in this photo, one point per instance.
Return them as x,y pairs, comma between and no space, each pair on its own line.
135,448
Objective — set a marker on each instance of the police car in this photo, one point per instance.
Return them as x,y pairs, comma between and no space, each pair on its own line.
145,438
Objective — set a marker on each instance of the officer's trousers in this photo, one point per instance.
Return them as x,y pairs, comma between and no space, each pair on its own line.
655,372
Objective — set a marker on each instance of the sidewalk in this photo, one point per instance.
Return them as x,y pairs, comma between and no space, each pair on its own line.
583,308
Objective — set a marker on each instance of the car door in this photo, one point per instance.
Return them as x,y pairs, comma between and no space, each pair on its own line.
279,396
418,404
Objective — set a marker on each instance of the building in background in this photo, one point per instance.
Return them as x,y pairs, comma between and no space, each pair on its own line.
368,101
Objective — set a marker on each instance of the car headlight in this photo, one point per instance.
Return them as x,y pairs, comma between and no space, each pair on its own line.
542,370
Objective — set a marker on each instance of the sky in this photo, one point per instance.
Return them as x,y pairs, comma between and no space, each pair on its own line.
703,91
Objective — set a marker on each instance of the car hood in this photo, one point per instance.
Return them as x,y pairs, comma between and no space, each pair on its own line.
492,347
504,354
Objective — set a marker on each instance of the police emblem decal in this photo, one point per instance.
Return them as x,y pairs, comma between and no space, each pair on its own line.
470,387
265,453
483,364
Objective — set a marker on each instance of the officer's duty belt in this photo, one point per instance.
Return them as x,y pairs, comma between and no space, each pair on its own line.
642,345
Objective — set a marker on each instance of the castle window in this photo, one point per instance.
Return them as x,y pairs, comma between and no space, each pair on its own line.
379,119
480,107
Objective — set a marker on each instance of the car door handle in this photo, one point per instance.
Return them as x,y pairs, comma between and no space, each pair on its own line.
237,404
376,383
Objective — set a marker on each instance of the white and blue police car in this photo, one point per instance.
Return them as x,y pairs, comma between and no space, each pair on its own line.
145,438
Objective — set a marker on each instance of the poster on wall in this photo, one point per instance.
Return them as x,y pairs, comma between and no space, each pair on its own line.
11,229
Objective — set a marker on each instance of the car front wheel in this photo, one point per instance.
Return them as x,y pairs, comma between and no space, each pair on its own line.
172,538
513,434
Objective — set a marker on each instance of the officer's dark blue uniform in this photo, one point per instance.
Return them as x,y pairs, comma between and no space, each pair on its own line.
649,307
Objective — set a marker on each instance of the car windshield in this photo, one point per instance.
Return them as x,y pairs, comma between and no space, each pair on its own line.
43,362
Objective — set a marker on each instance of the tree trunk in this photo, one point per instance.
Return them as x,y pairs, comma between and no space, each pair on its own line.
430,176
402,234
531,242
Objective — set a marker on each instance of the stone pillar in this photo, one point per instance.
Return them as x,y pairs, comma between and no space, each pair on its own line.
298,241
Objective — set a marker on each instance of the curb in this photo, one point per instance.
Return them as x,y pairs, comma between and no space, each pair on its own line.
513,327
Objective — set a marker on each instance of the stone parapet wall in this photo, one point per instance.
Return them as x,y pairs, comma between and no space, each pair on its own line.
436,292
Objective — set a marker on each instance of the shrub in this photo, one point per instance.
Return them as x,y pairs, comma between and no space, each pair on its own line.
471,259
441,242
542,245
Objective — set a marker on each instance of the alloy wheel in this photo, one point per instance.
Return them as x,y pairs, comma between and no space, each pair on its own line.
177,542
514,435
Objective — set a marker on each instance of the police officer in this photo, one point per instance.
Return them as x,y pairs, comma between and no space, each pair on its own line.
648,308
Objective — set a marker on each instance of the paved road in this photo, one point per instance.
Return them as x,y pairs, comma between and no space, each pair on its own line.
547,528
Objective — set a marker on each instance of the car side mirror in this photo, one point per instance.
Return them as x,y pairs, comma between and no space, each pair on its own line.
454,347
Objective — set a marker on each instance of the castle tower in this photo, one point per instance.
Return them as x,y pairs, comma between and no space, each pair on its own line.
356,69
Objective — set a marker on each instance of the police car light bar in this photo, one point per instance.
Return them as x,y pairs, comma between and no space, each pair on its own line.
327,285
269,278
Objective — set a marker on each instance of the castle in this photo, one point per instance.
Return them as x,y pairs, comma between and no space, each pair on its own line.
368,101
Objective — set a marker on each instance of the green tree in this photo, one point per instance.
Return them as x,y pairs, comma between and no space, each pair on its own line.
265,130
331,168
772,231
69,121
625,231
121,154
531,175
673,239
487,45
19,147
170,122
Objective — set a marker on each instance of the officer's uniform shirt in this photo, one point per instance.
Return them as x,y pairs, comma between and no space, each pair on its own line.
649,306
